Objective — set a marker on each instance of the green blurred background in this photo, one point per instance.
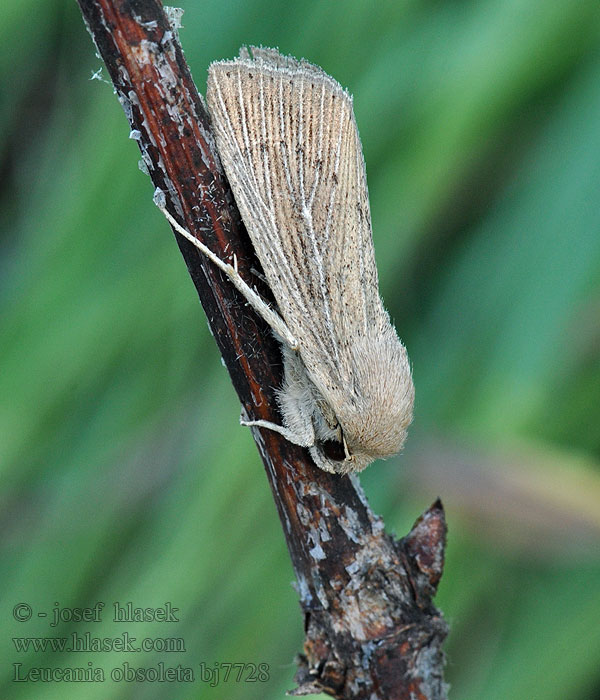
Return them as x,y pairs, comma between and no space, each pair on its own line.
125,475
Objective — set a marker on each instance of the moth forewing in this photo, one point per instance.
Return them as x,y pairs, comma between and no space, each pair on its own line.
289,144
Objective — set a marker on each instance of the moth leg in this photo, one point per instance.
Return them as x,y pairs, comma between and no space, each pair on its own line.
323,463
290,435
256,302
307,439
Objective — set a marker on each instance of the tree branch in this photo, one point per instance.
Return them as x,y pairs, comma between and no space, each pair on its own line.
371,628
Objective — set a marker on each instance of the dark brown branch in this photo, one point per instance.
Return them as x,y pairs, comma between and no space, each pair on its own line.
371,628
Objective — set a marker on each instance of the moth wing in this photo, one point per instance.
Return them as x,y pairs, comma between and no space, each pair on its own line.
289,144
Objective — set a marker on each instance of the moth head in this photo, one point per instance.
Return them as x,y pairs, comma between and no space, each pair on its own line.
378,406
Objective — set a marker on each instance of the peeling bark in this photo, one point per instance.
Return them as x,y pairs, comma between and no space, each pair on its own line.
371,628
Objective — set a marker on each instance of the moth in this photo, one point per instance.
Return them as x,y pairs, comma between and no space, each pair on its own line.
288,142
